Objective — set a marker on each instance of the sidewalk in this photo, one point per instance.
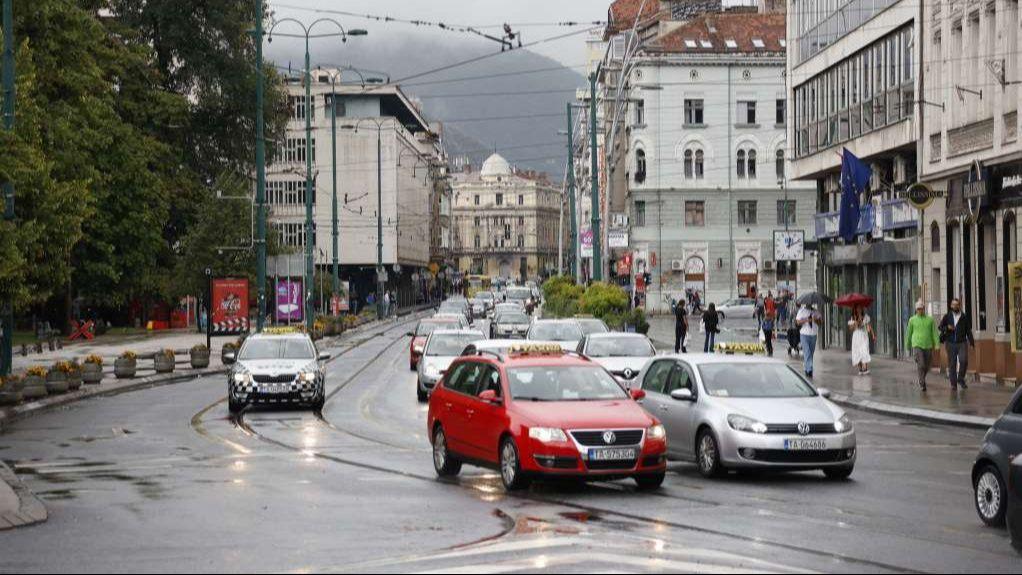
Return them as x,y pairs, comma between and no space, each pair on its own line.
890,388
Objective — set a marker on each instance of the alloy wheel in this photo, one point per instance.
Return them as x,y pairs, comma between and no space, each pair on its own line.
988,495
439,450
508,463
707,453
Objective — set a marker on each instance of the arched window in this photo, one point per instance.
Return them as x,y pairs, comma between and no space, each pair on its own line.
640,166
699,165
779,164
752,165
689,170
741,163
935,238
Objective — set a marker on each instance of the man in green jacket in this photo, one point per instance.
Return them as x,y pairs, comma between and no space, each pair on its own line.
921,339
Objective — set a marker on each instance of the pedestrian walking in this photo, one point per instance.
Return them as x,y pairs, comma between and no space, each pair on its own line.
955,332
770,304
862,333
680,327
769,326
711,325
808,321
760,311
921,338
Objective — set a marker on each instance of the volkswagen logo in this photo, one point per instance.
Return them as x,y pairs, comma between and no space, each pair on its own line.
609,437
803,428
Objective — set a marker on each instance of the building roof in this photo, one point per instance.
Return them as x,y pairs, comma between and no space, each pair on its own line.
495,166
622,14
726,33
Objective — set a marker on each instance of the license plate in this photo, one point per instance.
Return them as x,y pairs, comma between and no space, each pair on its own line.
274,389
611,454
805,444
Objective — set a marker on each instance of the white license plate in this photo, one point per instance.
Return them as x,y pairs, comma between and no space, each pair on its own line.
805,444
611,454
274,389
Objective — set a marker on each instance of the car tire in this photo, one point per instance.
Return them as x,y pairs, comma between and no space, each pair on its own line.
991,496
422,396
708,455
838,473
318,403
511,474
445,464
650,481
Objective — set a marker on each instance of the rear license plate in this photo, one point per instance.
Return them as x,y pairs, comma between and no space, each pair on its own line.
611,454
805,444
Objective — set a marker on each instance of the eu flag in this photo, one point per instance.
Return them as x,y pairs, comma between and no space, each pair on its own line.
855,176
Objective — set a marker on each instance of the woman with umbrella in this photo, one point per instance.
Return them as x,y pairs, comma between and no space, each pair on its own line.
862,329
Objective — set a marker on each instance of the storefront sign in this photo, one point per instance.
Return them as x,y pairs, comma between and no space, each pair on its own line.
1015,304
230,306
920,195
288,307
1006,185
617,239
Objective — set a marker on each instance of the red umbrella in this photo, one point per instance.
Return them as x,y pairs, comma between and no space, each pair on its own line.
854,300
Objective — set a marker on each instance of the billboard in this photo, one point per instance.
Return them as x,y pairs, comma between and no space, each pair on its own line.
288,306
339,301
230,306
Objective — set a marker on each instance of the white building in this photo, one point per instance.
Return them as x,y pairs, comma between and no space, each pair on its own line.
411,172
706,161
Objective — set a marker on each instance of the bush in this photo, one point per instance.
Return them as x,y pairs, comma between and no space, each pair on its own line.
94,359
36,371
558,285
128,354
603,299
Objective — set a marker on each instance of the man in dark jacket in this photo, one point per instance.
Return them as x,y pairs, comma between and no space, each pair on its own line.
680,327
955,330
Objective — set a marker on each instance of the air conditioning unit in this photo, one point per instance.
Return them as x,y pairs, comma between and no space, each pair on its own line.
677,265
769,266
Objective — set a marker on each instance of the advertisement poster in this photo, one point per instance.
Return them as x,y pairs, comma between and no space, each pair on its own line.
586,243
230,306
1015,304
340,302
288,308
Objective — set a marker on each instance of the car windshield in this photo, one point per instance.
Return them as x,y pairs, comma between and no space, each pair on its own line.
512,318
753,380
619,347
290,348
519,293
563,383
556,331
592,326
426,327
450,344
451,308
485,296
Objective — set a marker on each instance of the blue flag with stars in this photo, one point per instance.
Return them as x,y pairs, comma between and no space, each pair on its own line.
855,176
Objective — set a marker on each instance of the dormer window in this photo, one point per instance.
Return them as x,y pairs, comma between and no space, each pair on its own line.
731,44
690,44
758,43
706,44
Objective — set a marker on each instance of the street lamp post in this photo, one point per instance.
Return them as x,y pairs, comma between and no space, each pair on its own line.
7,335
307,31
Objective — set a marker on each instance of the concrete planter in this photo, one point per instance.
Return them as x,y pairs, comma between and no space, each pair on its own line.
56,382
124,368
199,358
162,363
74,380
34,387
92,373
8,397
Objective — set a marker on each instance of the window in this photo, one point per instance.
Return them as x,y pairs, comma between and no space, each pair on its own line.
500,199
338,105
521,200
640,166
640,113
297,107
786,212
695,214
640,213
747,213
694,112
779,165
935,239
689,164
521,221
521,241
699,165
751,169
746,112
741,163
477,199
781,112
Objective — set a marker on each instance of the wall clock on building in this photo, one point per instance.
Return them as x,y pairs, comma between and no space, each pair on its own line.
694,74
789,246
746,74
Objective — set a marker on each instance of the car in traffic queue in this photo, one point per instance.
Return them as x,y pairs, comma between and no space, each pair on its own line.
991,468
509,324
499,346
422,331
489,299
442,346
564,331
279,366
522,295
590,325
741,412
540,412
623,354
456,307
477,307
508,306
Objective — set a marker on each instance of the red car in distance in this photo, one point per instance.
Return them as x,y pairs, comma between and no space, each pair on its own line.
539,411
422,331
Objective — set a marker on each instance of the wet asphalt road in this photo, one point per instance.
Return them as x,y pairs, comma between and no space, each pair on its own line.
163,480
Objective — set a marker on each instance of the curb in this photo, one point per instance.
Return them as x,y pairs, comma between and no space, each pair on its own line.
913,413
30,510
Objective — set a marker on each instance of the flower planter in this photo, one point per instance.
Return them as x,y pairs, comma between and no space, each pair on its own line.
199,358
92,373
56,382
34,387
223,355
124,368
8,397
162,363
74,380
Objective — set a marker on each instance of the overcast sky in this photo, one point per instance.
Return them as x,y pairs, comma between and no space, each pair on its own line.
476,13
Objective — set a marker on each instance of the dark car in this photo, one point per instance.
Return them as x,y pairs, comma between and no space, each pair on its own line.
1015,504
991,469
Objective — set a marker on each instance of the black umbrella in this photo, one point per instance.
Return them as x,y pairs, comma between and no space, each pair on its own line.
814,299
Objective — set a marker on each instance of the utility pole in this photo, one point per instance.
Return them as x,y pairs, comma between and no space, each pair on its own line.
260,240
7,350
380,286
573,228
333,152
309,191
597,268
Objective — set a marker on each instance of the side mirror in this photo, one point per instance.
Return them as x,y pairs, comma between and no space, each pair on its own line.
490,396
824,392
637,394
683,394
410,334
324,356
231,357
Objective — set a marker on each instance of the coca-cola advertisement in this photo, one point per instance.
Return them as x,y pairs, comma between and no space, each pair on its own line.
230,306
289,307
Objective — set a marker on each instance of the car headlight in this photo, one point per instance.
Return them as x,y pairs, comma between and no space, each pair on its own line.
547,434
746,424
656,432
842,425
242,377
307,376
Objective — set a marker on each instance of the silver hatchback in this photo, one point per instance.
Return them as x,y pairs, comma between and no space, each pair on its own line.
736,412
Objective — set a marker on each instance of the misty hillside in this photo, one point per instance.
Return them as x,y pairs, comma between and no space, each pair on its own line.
531,142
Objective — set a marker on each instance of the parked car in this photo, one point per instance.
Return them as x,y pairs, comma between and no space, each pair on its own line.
737,412
991,468
741,308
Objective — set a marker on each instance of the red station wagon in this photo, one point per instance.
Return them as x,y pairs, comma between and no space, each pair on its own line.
538,411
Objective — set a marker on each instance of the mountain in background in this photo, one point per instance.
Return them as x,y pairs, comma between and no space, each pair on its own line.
463,98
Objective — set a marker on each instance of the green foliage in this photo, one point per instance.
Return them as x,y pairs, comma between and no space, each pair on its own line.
602,299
